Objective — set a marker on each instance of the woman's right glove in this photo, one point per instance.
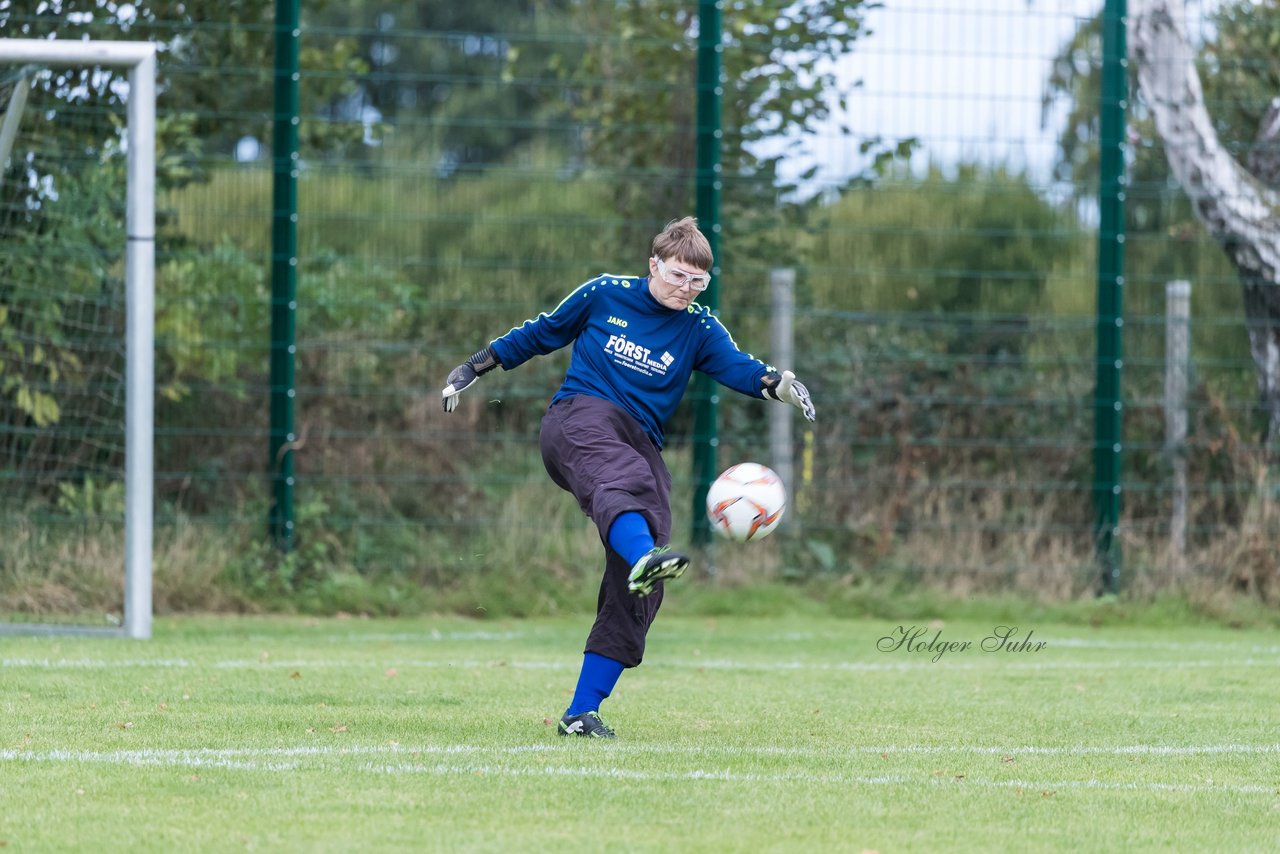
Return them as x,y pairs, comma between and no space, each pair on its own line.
465,374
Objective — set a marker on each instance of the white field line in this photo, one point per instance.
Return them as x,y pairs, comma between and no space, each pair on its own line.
292,759
436,636
1165,646
430,636
805,637
1039,786
145,755
917,661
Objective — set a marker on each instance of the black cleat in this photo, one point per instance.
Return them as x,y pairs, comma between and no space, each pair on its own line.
658,564
587,725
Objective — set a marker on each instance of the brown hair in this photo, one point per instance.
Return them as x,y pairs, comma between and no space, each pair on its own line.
682,241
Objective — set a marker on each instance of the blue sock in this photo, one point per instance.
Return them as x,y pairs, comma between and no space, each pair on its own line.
599,675
629,536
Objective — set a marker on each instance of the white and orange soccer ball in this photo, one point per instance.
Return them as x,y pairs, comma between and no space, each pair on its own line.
746,502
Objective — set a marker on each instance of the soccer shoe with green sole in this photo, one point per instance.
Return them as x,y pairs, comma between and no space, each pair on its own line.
587,725
657,564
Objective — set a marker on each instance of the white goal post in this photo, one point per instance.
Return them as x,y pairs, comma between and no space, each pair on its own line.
140,60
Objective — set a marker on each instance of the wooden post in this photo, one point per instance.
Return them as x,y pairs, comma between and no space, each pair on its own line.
782,287
1177,357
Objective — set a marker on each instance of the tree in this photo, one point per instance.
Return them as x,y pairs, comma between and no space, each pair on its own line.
61,205
206,71
468,80
1240,208
632,78
977,247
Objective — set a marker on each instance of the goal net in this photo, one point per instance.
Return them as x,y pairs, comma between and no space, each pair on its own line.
77,127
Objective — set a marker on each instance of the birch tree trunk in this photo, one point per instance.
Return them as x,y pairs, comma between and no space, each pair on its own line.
1239,209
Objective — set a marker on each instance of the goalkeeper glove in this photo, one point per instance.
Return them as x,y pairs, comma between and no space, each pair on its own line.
465,374
786,388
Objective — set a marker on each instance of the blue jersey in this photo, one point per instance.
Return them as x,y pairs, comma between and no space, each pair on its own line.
630,349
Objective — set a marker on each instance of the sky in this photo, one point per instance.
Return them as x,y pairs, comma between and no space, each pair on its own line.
964,76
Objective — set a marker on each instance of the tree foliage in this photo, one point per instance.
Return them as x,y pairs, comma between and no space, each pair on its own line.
633,78
62,200
1239,72
466,81
981,242
1239,64
206,71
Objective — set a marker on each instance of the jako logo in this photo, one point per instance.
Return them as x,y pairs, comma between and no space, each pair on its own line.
617,321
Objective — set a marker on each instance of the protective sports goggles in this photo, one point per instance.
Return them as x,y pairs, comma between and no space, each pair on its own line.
681,279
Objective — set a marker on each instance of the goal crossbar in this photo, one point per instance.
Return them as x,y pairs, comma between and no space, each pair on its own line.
140,60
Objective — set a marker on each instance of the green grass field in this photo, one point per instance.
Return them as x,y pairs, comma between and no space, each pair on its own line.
737,734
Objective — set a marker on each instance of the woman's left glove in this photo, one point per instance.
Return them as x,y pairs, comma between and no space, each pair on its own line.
785,388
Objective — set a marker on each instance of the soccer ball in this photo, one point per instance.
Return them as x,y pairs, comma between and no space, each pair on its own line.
746,501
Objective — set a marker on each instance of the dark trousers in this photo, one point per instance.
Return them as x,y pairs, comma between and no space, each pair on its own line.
596,451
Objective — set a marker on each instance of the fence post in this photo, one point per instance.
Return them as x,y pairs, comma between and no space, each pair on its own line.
782,286
1177,353
1108,402
284,273
706,398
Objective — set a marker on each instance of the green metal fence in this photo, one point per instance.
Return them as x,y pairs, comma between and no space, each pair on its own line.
462,169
